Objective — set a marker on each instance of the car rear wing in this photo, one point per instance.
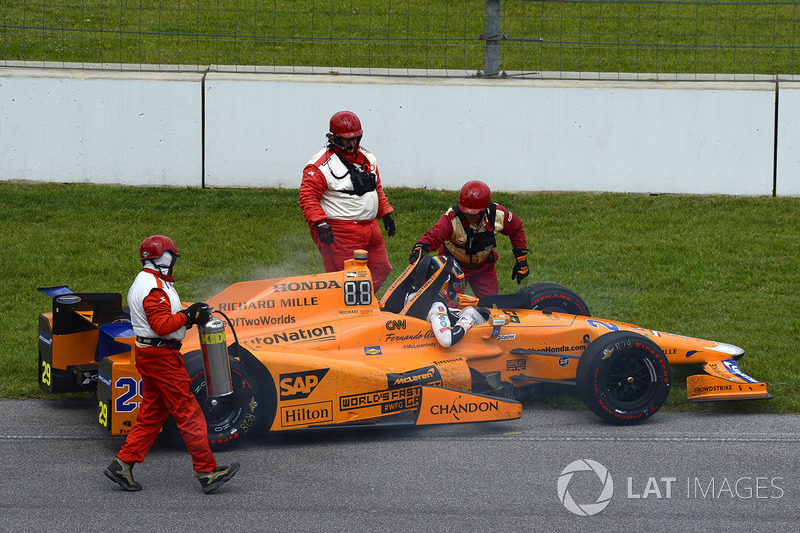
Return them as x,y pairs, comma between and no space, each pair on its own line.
81,330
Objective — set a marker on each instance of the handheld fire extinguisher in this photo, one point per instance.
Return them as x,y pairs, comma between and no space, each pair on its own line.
215,358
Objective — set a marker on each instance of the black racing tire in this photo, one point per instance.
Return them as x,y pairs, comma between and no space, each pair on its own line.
555,298
623,377
234,416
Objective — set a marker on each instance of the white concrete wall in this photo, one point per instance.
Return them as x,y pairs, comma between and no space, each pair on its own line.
788,149
100,127
518,135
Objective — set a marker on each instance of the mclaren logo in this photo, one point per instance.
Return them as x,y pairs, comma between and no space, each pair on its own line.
422,376
45,338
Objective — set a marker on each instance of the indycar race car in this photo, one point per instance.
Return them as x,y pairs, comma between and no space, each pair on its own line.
320,351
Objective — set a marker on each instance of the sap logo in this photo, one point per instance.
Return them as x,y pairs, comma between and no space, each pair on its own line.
299,385
394,325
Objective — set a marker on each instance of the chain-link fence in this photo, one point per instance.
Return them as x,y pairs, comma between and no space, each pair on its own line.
533,38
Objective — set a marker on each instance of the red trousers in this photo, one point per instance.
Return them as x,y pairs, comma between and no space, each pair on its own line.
165,391
482,278
351,235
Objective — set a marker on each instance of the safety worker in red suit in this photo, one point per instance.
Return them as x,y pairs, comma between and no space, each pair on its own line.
160,324
341,196
449,326
467,232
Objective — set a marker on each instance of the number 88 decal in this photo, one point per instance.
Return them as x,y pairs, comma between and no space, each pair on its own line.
358,292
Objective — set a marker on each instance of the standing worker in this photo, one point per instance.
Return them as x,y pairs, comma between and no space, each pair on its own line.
160,323
341,196
467,232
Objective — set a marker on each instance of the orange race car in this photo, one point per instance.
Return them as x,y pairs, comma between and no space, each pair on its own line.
320,351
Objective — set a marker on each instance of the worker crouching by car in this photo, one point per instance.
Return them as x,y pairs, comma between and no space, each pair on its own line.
467,233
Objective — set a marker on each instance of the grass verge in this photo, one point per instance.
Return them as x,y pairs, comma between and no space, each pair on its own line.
715,267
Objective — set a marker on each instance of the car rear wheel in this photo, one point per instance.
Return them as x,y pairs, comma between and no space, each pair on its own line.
555,298
228,418
623,377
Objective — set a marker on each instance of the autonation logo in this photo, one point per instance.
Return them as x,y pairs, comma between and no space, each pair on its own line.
585,487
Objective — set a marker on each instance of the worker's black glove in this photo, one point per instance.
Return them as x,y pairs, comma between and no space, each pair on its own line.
325,232
418,251
520,270
388,223
197,313
485,313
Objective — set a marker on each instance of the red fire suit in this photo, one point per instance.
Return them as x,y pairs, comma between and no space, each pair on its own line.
449,237
327,193
154,306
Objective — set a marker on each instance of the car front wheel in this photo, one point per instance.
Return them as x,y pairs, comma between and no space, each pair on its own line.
623,377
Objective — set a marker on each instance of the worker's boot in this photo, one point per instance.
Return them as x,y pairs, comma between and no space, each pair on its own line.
211,481
121,473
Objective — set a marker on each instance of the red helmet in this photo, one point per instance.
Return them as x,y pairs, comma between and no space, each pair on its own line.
474,197
345,124
154,247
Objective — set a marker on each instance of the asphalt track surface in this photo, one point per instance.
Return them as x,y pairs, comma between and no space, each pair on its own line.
677,472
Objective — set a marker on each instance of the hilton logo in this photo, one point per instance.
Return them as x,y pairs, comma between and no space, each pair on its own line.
306,415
